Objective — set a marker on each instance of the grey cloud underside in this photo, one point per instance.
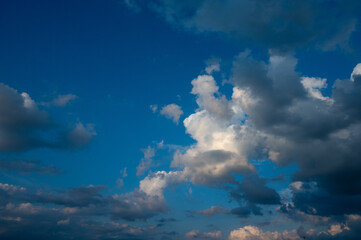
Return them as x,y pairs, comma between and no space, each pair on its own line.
253,189
23,126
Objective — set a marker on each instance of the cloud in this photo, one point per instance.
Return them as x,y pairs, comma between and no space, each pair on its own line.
147,161
313,87
253,189
61,100
155,183
23,126
212,211
275,24
212,65
81,135
27,166
356,74
172,111
254,233
82,201
154,108
222,147
132,4
277,114
195,234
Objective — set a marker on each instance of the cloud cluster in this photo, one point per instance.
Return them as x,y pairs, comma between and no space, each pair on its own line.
276,114
24,126
23,211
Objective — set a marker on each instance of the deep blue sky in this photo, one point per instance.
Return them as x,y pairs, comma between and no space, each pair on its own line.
114,60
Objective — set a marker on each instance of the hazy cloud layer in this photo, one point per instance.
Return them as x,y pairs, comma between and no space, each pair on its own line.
281,25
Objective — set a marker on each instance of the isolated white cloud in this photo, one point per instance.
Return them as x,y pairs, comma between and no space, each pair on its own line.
172,111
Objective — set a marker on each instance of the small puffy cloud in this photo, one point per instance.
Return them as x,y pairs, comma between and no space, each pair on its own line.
11,188
213,211
154,108
81,135
196,234
172,111
120,182
155,183
63,222
123,172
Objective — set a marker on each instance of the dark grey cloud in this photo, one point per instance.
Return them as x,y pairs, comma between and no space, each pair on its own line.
24,126
254,190
28,166
321,134
313,200
281,25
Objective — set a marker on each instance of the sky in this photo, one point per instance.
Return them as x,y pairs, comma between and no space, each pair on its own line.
165,119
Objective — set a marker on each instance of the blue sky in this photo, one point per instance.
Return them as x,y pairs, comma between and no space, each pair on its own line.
170,119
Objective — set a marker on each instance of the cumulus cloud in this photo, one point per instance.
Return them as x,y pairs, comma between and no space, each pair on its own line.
223,144
172,111
195,234
24,126
277,114
154,183
254,233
